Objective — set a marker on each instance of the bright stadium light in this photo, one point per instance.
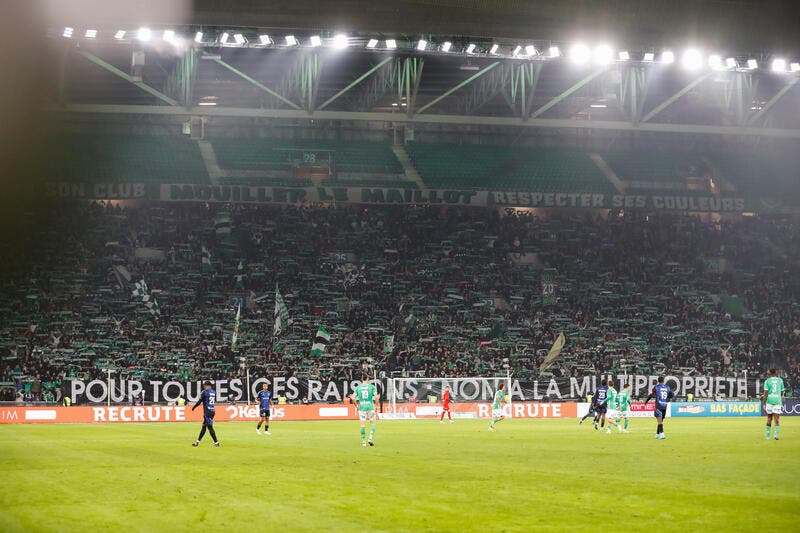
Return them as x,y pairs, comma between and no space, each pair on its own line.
778,65
239,38
391,44
649,57
580,54
752,64
119,35
603,54
169,35
372,43
530,50
421,45
224,38
516,51
91,34
315,41
554,51
144,34
667,57
198,37
471,48
493,49
731,63
446,46
206,103
624,56
794,67
692,59
715,62
340,41
290,40
68,32
264,39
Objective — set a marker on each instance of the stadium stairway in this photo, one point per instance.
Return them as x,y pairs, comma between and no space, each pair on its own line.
210,161
608,172
408,167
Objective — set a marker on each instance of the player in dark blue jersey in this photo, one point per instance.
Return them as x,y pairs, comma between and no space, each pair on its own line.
662,394
264,405
208,398
600,407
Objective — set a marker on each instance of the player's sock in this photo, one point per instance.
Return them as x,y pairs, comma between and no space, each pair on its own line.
603,423
776,431
660,429
266,428
441,417
363,433
259,425
768,430
213,434
372,431
625,424
450,416
202,434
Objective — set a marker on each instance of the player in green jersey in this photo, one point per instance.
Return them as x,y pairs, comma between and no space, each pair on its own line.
611,405
624,403
497,406
366,396
772,401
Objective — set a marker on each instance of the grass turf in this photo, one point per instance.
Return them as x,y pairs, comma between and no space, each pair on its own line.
420,476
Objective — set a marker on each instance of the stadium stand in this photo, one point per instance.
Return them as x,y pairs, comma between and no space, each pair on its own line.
459,288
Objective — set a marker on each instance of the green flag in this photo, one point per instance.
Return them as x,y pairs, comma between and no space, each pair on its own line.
281,313
321,340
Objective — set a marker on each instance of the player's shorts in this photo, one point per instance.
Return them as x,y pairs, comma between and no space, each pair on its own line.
446,407
264,413
208,418
366,415
612,413
624,413
660,410
497,413
772,409
601,409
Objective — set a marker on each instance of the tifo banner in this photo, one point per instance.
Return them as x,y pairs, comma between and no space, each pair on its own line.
205,192
703,409
169,413
791,408
403,390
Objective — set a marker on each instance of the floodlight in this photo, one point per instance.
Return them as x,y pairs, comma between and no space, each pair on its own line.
120,34
692,59
752,64
372,43
598,106
667,57
198,37
144,34
554,51
68,32
239,38
315,40
421,44
169,36
794,67
731,62
579,53
530,50
603,54
778,65
649,57
471,48
446,46
493,49
391,44
224,38
715,62
290,40
516,51
340,41
624,56
206,103
91,34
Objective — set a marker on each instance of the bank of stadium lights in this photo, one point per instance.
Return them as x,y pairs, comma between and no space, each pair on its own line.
530,50
649,57
580,54
291,40
372,43
422,44
494,48
516,51
91,34
667,57
624,56
752,64
340,41
471,48
778,65
119,35
554,52
731,62
264,39
692,59
603,54
144,34
68,32
239,39
794,67
224,38
315,41
446,46
198,37
391,44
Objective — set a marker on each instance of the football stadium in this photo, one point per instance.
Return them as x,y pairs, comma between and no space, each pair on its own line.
409,265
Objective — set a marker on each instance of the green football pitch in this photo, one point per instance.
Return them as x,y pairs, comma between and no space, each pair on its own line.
716,474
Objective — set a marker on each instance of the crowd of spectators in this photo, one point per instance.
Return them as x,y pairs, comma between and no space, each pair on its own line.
405,290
